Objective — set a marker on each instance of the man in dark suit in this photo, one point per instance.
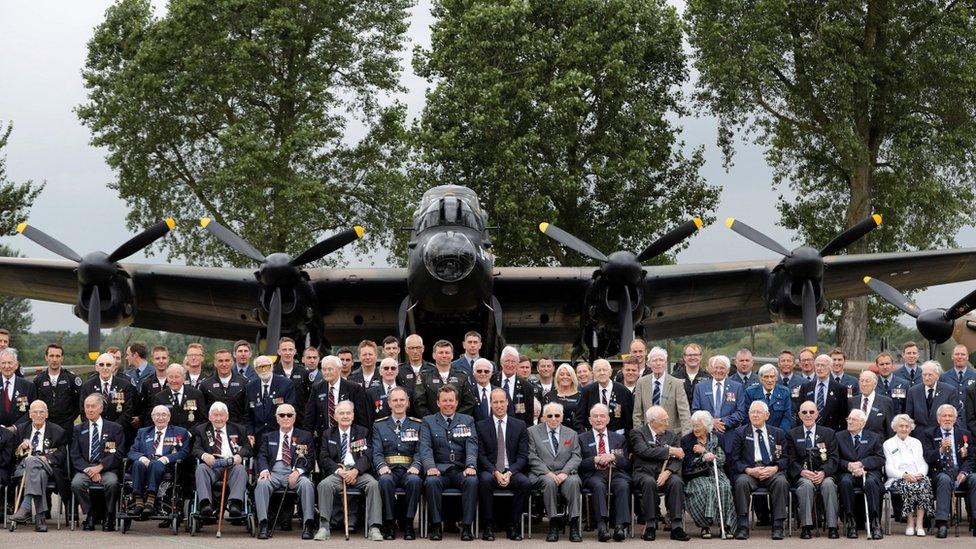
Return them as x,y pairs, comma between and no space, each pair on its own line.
117,392
187,408
657,456
829,396
156,448
759,457
328,393
220,446
606,466
861,463
719,396
521,393
286,457
227,386
16,393
264,394
618,400
502,463
96,455
482,389
813,462
377,396
45,446
926,397
139,369
878,407
947,451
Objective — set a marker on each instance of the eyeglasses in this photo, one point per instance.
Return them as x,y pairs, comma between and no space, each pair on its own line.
550,416
389,368
104,364
286,415
482,371
807,412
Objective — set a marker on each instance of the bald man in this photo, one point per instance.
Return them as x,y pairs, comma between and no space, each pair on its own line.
44,445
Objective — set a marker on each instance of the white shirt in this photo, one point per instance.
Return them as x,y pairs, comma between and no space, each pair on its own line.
224,443
53,377
224,380
102,383
546,387
504,420
606,440
368,379
162,440
484,392
91,434
903,456
387,387
40,438
347,459
511,386
193,378
813,434
606,393
281,436
335,394
757,454
179,396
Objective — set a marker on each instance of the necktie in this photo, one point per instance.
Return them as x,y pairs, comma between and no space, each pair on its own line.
602,448
176,400
331,407
886,387
264,391
388,389
34,440
105,391
554,441
837,379
500,449
505,386
449,420
864,404
763,448
809,439
717,407
656,397
399,425
484,395
769,395
786,381
6,395
821,397
95,451
928,398
959,375
745,381
218,443
285,450
343,446
857,442
911,376
157,442
603,397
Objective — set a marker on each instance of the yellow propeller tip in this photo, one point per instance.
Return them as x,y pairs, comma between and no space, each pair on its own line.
867,280
274,358
204,221
698,222
93,355
877,219
171,223
21,227
543,227
729,222
359,231
813,348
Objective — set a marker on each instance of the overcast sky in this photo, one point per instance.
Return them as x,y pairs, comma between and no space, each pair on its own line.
42,51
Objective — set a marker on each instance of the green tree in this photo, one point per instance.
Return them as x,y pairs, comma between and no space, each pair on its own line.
242,111
560,111
862,107
15,312
15,198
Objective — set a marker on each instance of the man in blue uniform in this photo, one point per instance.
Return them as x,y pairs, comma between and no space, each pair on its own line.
397,463
960,377
911,370
889,384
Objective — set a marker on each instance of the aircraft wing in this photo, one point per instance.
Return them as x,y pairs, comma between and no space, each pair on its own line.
844,274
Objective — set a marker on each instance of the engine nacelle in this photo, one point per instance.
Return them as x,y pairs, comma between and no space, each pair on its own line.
299,306
784,296
118,304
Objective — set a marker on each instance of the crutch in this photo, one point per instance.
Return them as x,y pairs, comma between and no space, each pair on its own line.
220,510
345,506
718,498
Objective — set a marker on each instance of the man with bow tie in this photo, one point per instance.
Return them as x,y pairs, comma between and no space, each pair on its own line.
948,451
157,447
396,461
759,460
96,453
813,462
44,447
220,445
185,403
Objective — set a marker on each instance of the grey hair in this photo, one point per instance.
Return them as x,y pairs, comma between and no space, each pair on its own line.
330,358
902,418
933,365
509,351
721,359
947,407
765,368
654,410
13,354
218,406
552,407
706,419
858,414
658,351
759,404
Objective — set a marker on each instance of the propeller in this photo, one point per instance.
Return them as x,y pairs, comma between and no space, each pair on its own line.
279,269
806,264
934,324
97,268
623,269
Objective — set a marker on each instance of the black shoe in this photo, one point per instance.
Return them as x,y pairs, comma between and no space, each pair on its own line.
742,533
436,532
514,534
650,534
206,510
466,534
574,530
308,531
285,525
806,532
778,532
108,523
263,530
89,524
943,531
677,534
833,533
851,527
488,534
408,533
602,533
876,532
553,534
236,509
389,530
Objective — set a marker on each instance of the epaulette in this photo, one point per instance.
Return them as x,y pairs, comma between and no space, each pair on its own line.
415,419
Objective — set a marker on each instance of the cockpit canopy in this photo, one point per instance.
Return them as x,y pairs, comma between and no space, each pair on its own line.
452,205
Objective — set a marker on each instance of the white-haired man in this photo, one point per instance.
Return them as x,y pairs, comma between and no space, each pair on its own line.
326,394
657,459
759,460
520,391
156,447
554,460
185,402
44,448
17,393
861,465
660,389
220,446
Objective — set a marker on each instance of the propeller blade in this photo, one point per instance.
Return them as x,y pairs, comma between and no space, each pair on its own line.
143,240
94,324
571,242
223,234
893,296
328,246
670,239
851,235
625,319
756,236
48,242
809,316
274,323
962,306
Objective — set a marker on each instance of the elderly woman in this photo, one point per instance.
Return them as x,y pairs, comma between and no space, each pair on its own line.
584,374
702,448
565,391
908,474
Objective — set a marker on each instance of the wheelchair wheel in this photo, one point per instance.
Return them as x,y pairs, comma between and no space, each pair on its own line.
126,524
192,526
186,513
252,527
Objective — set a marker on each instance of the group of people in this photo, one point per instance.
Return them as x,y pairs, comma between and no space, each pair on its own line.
701,437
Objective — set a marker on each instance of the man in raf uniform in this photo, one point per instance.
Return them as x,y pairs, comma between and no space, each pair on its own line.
328,393
449,454
554,459
220,446
415,365
377,396
774,394
117,393
17,393
185,403
264,394
286,457
472,348
59,389
227,386
296,372
838,359
431,380
657,459
519,391
242,360
139,369
910,371
890,385
45,446
813,462
397,462
96,456
310,360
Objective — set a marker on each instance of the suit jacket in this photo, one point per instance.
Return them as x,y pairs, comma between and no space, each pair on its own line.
971,409
446,448
300,381
192,410
357,376
113,441
316,418
249,372
203,440
674,400
516,444
780,405
896,390
870,453
522,405
931,440
176,443
8,444
376,399
121,404
621,406
146,394
968,380
681,373
234,395
902,372
260,410
834,414
927,417
729,412
541,459
879,416
359,442
849,382
54,445
23,394
462,363
482,408
618,446
650,456
302,450
742,453
822,457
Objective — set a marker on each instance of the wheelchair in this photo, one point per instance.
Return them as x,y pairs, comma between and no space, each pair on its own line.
196,521
171,505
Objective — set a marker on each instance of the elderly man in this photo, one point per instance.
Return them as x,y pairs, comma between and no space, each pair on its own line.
860,464
829,395
503,461
156,446
415,365
878,407
431,380
326,395
926,397
813,462
220,446
286,457
396,461
17,393
759,459
344,456
618,400
947,451
378,395
482,388
660,389
226,386
520,392
96,453
605,469
264,394
554,460
45,449
890,385
657,459
776,396
117,393
743,368
186,404
720,396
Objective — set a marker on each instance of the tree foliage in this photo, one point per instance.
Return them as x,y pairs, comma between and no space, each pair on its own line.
15,198
15,312
242,110
560,111
862,107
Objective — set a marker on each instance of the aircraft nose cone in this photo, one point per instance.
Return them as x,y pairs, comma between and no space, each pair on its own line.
622,268
95,268
805,263
449,256
277,269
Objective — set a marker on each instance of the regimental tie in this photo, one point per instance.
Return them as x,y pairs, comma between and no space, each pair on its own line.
6,395
763,447
35,440
929,396
656,396
864,404
717,407
157,442
218,443
821,398
602,447
857,441
95,452
500,449
285,450
331,407
554,441
343,447
105,391
809,439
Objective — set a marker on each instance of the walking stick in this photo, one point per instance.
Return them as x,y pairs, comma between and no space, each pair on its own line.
278,513
718,498
17,500
609,483
345,506
220,510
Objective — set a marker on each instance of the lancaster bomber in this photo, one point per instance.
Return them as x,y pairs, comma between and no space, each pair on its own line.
451,285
